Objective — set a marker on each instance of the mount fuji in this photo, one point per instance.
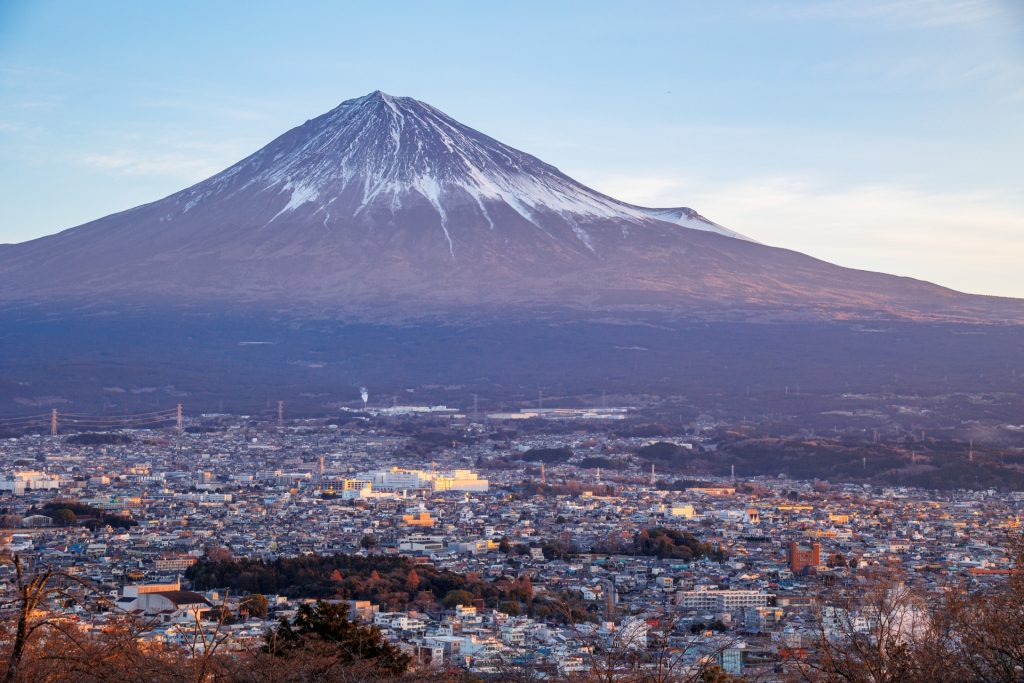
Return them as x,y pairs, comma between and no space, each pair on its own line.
384,244
387,207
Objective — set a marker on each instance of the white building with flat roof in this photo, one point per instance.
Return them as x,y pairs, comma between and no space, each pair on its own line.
714,600
401,479
19,482
461,480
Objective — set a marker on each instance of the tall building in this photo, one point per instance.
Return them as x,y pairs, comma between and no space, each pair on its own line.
799,557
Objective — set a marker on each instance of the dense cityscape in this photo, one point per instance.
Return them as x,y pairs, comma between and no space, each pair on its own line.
479,543
530,342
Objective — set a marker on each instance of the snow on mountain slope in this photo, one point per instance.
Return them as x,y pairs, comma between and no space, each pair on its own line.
380,151
387,206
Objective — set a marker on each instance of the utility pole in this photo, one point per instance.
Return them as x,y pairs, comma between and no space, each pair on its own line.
53,422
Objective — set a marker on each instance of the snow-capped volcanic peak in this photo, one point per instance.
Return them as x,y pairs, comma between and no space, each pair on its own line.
386,207
380,152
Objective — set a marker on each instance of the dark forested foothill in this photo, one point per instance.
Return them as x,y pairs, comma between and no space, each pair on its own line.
665,453
69,512
396,582
672,543
548,455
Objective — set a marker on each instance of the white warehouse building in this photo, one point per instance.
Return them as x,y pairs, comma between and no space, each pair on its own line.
19,482
400,479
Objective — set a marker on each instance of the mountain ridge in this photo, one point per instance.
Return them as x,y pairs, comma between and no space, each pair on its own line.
387,206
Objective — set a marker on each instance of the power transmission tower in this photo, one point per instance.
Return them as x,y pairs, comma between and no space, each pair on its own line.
53,422
280,414
179,421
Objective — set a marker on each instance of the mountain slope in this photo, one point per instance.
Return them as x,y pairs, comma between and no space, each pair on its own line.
387,206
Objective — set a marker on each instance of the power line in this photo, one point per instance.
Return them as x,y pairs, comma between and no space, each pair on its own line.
55,419
165,411
26,418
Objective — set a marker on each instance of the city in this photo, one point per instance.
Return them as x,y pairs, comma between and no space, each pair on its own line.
533,342
500,551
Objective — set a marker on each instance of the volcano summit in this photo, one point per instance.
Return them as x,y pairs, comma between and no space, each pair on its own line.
385,244
387,206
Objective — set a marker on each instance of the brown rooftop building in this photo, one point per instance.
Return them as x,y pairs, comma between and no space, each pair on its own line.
801,557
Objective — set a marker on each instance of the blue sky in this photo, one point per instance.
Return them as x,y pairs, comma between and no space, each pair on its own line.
879,135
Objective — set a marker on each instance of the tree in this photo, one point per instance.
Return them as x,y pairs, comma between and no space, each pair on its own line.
424,600
326,627
837,560
457,597
36,627
65,517
988,626
368,542
882,630
412,581
524,589
648,649
256,605
218,553
878,631
673,543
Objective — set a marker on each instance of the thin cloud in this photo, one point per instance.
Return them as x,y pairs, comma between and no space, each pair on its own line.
139,164
969,240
